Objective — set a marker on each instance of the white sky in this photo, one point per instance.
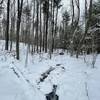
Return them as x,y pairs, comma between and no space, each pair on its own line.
66,6
66,3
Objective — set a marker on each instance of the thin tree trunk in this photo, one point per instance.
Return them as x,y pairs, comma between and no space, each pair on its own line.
37,22
18,26
47,17
56,20
33,44
40,29
12,25
52,25
86,28
7,31
43,32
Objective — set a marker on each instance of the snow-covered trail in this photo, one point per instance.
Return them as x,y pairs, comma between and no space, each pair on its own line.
13,87
70,80
10,88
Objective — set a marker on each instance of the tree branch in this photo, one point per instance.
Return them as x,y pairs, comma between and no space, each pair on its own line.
1,2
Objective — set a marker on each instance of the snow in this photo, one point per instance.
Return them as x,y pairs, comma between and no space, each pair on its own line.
76,79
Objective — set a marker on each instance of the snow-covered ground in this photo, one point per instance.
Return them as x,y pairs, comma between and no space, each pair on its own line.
76,79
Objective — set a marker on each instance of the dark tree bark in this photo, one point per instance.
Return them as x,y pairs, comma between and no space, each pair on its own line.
7,31
44,26
40,28
53,11
47,17
73,13
33,44
37,26
18,26
1,2
56,22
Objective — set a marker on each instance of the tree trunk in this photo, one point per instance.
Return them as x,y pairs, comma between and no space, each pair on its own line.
86,28
18,26
37,22
33,44
52,25
47,17
56,20
7,31
40,29
12,31
44,26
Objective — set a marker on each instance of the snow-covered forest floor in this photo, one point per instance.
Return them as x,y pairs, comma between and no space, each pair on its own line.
76,79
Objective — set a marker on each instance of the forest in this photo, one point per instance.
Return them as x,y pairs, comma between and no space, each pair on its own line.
36,23
49,49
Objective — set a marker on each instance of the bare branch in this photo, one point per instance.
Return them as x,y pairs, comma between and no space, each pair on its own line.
1,2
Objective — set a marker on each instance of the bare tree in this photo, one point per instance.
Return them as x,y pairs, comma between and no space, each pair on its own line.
12,29
37,25
47,18
75,23
86,28
19,10
40,27
1,2
33,27
7,31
